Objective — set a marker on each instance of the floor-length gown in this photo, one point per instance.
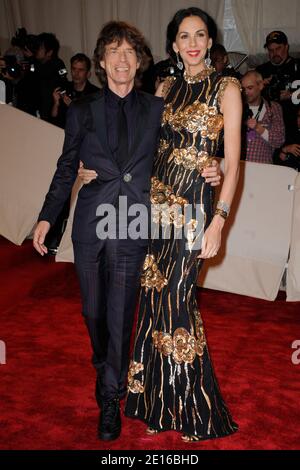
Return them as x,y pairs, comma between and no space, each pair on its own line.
171,382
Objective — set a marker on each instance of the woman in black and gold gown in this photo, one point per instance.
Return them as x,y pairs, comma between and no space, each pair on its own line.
171,383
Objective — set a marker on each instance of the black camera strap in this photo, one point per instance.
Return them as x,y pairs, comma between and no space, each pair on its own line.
259,110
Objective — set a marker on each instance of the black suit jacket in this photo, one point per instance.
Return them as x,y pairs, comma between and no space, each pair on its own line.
86,140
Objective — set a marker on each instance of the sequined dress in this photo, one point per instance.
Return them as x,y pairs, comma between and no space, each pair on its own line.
171,382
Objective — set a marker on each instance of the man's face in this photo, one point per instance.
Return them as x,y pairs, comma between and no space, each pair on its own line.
42,55
252,89
278,53
120,63
79,72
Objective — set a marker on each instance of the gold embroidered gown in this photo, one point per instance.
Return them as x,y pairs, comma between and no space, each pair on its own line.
171,383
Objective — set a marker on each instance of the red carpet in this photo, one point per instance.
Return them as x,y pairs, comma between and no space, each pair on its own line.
47,384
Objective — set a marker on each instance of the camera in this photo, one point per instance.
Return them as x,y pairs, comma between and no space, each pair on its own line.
63,81
166,68
64,84
15,65
11,67
278,83
63,73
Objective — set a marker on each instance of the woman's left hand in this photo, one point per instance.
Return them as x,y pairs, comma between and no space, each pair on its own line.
211,241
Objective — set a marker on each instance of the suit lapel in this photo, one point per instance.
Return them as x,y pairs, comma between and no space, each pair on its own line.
141,118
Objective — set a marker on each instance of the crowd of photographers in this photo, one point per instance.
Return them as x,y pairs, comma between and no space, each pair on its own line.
36,77
281,84
36,82
271,121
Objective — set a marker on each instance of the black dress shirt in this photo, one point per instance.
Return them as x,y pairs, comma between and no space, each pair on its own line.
111,114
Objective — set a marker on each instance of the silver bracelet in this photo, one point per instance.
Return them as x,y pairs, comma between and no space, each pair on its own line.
223,206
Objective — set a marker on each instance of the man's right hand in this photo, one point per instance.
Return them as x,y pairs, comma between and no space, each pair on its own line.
39,235
56,96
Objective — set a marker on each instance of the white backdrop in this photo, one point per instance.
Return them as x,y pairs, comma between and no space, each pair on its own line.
77,22
243,24
256,18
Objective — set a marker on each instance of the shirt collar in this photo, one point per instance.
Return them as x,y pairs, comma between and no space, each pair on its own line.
113,99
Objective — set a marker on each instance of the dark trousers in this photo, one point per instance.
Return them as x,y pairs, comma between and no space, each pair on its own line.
109,279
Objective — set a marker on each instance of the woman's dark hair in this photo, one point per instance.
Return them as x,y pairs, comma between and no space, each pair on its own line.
179,16
119,31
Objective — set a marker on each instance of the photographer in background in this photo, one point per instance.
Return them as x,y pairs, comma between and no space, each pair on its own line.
10,74
17,71
289,153
165,68
279,74
69,91
263,122
50,72
220,61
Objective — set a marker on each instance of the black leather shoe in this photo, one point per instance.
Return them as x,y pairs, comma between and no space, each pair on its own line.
122,392
109,427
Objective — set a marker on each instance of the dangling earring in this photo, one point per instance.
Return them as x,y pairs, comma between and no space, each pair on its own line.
208,59
179,63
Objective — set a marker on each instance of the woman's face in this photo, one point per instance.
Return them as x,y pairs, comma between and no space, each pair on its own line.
192,42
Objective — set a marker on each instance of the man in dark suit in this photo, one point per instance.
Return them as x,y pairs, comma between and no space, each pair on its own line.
115,132
109,269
